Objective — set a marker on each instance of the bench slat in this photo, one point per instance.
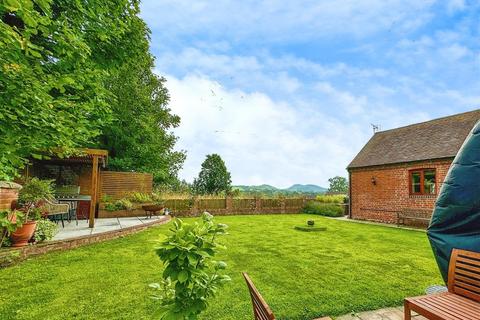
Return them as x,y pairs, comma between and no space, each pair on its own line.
458,305
468,267
446,306
467,280
467,293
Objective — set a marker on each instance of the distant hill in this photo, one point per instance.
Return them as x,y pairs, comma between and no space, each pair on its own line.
295,189
307,188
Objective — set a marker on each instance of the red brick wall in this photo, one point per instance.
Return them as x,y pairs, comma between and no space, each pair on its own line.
380,202
8,194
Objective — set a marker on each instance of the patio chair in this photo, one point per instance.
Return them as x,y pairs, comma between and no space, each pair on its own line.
462,301
261,310
55,209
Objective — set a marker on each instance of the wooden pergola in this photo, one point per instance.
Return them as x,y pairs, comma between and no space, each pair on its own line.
88,157
98,156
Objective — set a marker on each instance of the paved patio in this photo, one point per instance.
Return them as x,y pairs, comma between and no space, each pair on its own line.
382,314
72,230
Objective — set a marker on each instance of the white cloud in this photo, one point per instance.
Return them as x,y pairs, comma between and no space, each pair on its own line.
267,141
285,92
270,127
261,140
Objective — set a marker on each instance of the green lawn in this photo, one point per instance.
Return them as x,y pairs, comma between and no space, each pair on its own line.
302,275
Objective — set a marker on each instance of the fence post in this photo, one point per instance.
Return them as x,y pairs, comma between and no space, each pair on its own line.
194,208
229,204
282,205
258,204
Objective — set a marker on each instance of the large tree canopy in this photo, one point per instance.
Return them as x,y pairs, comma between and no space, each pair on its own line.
213,177
139,137
338,185
55,57
70,70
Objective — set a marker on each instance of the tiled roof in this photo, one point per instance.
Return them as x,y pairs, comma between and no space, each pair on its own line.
435,139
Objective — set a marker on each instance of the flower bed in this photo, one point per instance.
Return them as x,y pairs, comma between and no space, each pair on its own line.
135,211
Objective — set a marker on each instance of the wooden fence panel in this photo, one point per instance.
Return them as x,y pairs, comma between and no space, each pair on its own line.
248,204
117,184
178,205
271,203
212,204
293,203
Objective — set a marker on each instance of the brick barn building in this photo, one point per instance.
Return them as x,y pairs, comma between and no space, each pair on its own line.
403,169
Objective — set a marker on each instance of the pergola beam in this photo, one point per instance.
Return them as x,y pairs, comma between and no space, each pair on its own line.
93,201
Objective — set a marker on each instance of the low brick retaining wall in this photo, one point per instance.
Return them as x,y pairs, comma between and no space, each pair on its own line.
10,256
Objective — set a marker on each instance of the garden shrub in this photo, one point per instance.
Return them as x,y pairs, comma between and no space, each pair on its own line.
8,226
32,194
191,274
45,230
121,204
325,198
107,198
139,197
323,209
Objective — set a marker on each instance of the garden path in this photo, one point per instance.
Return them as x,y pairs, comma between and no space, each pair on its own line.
72,230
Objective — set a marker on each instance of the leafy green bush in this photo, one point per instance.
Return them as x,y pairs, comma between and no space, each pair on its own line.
31,195
325,198
45,230
7,225
191,276
139,197
106,198
121,204
323,209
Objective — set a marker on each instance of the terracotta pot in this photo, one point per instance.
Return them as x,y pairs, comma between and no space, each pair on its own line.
21,236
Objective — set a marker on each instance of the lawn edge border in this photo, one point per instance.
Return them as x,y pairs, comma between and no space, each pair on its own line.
11,256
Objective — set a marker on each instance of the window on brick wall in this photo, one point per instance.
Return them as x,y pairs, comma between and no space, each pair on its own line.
423,182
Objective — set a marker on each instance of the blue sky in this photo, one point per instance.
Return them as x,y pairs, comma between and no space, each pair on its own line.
285,91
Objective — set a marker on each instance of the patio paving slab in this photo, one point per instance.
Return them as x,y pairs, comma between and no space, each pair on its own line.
147,219
129,222
381,314
72,230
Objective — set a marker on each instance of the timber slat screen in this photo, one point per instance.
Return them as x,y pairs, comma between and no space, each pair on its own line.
118,184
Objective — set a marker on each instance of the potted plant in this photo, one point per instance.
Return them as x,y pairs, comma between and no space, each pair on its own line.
31,198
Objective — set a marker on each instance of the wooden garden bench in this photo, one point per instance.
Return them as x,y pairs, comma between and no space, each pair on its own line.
462,301
423,215
261,310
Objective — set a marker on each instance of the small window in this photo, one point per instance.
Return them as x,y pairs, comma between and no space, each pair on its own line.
423,182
